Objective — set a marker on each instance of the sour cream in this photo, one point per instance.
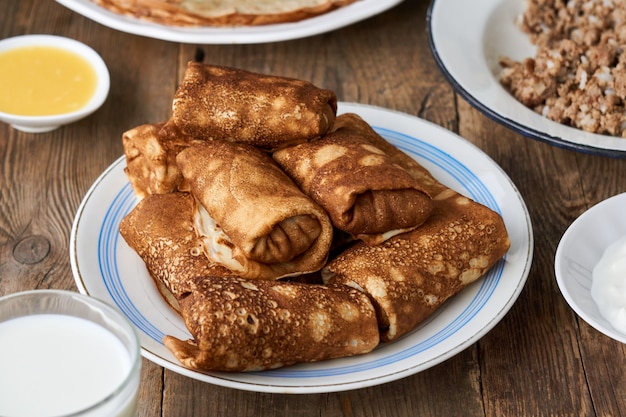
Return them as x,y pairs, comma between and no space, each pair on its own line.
608,287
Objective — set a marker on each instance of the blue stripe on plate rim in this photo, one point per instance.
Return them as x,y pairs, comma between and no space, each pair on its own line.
125,200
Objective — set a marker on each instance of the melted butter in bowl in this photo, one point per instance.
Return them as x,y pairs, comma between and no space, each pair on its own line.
48,81
44,80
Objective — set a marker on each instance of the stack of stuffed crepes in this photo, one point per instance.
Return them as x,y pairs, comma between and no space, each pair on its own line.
160,229
233,214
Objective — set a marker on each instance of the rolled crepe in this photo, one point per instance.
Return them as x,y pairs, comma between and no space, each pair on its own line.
150,151
363,190
254,219
267,111
160,229
251,325
410,275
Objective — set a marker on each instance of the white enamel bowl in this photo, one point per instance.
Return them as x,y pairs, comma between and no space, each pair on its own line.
580,249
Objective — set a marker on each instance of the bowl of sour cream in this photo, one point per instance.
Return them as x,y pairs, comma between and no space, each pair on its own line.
48,81
590,266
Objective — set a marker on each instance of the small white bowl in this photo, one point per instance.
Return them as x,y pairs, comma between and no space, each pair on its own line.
580,249
38,124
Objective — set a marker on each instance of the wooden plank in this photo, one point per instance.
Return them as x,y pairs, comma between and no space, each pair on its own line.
541,359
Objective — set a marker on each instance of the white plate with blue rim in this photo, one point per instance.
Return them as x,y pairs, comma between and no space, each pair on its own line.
580,249
326,22
467,39
105,267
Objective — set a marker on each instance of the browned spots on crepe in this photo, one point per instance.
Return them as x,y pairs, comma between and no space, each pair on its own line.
268,111
363,190
275,229
244,325
410,275
238,245
160,229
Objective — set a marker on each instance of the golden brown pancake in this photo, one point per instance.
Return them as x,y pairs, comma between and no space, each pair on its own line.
160,229
267,111
251,325
363,190
221,12
265,227
410,275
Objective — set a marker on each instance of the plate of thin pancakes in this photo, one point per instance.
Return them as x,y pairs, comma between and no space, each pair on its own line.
105,267
335,18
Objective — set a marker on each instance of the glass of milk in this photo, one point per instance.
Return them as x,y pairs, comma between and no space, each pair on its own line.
66,354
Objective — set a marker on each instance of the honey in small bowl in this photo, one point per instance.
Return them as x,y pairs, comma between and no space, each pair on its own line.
47,81
44,80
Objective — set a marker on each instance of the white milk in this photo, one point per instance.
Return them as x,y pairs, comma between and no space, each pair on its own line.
608,288
52,364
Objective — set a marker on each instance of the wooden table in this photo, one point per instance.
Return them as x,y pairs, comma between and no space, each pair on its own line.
541,359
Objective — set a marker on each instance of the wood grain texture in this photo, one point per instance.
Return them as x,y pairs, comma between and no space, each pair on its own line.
540,360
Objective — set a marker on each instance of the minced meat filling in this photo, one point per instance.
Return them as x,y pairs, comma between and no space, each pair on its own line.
578,75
